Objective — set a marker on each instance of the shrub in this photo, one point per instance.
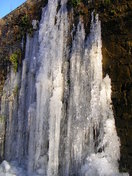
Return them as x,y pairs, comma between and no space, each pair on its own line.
26,25
107,2
112,12
25,20
75,2
2,118
14,59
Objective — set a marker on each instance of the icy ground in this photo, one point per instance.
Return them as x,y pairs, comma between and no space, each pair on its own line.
96,166
7,169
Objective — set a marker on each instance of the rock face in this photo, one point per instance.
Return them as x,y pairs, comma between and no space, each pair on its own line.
13,29
116,18
117,60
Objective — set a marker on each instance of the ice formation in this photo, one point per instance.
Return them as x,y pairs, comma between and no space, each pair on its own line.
58,108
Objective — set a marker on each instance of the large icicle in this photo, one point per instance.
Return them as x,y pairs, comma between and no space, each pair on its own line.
91,133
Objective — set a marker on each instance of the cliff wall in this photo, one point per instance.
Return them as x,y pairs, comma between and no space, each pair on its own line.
13,29
117,62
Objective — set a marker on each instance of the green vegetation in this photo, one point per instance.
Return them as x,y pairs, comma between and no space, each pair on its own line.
26,25
112,12
106,2
74,3
14,59
25,20
2,119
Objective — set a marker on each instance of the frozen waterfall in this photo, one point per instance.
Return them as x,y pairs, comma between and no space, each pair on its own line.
58,108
